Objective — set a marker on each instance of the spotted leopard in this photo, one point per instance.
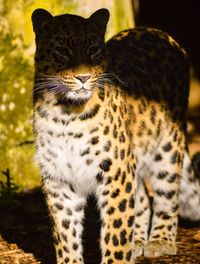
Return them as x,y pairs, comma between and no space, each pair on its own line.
107,116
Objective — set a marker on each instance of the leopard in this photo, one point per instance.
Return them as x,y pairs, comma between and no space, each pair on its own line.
108,118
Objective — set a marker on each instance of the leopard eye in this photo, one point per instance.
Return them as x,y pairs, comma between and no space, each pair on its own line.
63,53
94,50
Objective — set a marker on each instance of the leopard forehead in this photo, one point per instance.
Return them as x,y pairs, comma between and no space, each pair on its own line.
70,30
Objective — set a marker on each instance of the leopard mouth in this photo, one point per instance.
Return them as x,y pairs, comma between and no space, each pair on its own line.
79,95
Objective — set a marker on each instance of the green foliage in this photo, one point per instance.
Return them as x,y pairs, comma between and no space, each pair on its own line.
7,188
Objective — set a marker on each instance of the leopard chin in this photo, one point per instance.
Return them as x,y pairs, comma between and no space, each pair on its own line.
79,96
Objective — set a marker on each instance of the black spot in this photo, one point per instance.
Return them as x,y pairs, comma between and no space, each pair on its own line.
111,117
66,260
128,255
89,161
175,208
110,261
123,177
107,238
111,210
66,249
101,94
64,237
131,202
85,152
123,239
174,157
159,227
65,224
115,193
162,175
55,119
66,196
55,240
107,146
130,220
173,177
105,164
116,153
79,208
175,136
97,152
69,211
122,154
117,223
59,206
158,157
128,187
115,241
114,107
75,246
106,130
153,115
105,192
104,204
71,187
78,135
167,147
69,165
122,205
109,180
99,177
163,215
155,236
94,130
91,113
130,237
169,194
107,253
122,138
94,140
118,255
117,174
115,133
53,194
160,192
119,122
60,254
169,227
50,132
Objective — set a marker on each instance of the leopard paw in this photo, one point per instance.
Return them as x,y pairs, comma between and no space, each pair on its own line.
138,248
158,248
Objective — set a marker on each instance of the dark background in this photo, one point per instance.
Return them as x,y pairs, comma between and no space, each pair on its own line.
181,19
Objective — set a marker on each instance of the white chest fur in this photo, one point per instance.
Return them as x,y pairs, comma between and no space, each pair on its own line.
66,151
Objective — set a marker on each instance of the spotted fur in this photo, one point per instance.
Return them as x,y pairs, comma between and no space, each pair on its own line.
107,116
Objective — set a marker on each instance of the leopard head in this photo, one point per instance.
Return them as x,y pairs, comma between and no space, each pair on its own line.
70,54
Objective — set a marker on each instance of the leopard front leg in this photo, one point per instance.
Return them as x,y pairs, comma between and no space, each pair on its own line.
116,200
67,211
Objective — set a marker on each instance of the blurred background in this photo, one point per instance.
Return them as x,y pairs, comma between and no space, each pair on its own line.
17,47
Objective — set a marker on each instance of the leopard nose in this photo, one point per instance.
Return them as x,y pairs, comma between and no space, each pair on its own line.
83,78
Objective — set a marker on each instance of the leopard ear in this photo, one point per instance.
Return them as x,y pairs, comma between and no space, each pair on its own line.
100,19
40,17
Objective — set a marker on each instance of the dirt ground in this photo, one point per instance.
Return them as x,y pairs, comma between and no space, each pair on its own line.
25,229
